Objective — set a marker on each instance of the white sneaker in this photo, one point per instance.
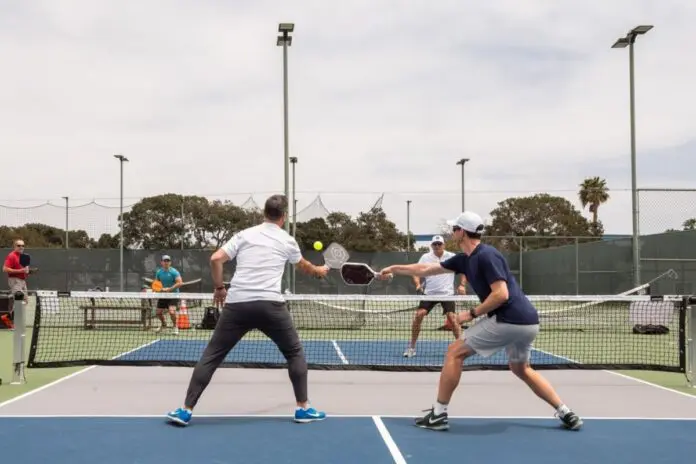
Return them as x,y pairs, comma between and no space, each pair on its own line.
409,353
176,330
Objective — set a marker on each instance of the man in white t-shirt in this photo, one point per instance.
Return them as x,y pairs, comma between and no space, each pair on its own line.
433,286
254,301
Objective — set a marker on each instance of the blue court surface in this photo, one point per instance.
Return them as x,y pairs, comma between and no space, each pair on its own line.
327,352
226,439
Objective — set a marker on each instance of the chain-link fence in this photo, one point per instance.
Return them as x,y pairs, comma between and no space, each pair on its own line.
542,265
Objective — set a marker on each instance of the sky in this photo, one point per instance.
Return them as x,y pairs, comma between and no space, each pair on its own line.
384,98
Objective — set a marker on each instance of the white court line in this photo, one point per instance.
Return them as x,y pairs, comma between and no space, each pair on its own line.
389,441
344,360
69,376
330,416
628,377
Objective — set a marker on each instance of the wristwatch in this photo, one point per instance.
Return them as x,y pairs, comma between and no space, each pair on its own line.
472,312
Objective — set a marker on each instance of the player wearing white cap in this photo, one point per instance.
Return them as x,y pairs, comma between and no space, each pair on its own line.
509,321
434,286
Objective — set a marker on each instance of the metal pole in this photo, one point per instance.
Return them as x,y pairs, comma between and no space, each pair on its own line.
293,160
19,336
285,126
690,308
121,234
462,162
67,237
122,159
634,191
408,225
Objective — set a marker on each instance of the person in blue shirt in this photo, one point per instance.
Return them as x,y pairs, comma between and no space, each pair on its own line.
171,281
510,321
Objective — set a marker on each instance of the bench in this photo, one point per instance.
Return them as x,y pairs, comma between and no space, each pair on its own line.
142,316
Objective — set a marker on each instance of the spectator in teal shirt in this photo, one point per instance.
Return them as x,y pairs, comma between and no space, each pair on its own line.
171,281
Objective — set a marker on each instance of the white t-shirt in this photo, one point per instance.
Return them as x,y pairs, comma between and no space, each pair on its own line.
262,252
442,284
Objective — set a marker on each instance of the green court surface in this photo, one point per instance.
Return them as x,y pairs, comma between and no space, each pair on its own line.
35,377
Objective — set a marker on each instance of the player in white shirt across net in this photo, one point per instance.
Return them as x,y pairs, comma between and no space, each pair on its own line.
442,284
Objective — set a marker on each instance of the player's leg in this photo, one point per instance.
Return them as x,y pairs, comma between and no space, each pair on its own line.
230,329
449,310
172,314
481,339
161,306
424,308
519,352
275,321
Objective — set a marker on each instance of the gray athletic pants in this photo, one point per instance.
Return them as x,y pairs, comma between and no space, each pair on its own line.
236,319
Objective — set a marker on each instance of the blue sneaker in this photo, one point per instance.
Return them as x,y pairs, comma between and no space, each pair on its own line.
180,416
308,415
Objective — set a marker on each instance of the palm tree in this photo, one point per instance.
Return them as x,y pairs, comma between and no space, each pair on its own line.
593,192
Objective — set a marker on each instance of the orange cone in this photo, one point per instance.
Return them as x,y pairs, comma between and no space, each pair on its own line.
7,321
182,319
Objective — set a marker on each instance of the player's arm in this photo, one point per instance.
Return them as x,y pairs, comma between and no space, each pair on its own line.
226,252
494,273
301,264
178,281
8,268
310,269
461,289
416,269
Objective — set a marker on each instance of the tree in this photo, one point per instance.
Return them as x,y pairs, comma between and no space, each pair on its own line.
689,224
38,235
540,215
593,192
172,221
369,231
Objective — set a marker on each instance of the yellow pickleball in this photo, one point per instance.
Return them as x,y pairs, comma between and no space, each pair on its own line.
318,245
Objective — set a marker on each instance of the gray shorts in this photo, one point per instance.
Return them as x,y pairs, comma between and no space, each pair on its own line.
17,285
488,336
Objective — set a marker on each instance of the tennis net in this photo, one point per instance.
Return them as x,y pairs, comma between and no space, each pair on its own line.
365,332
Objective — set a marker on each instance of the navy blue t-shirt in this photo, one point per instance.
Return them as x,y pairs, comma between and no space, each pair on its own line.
485,266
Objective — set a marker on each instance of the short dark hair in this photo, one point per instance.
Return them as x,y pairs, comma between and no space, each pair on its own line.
275,207
475,235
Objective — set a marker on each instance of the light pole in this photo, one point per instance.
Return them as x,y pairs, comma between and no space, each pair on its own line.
463,161
67,237
293,160
408,225
122,159
624,42
285,40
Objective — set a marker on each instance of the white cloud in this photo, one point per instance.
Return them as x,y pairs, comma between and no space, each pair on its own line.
384,96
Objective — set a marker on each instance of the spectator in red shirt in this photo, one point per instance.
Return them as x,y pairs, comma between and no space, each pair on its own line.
16,273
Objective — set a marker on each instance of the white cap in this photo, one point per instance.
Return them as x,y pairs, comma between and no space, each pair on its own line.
437,239
469,221
166,257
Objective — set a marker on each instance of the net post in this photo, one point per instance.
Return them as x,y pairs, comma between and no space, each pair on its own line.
690,348
20,321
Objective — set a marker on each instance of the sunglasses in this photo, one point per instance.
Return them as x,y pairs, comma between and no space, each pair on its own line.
456,229
437,244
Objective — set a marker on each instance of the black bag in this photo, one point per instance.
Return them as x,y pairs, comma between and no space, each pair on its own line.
210,318
650,329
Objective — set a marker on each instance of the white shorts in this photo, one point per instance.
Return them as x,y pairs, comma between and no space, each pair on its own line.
488,336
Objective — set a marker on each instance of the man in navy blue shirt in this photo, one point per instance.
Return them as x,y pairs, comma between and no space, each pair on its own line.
511,322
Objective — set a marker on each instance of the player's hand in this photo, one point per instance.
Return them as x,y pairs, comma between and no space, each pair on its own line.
464,316
461,290
419,290
166,289
385,274
219,296
322,271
